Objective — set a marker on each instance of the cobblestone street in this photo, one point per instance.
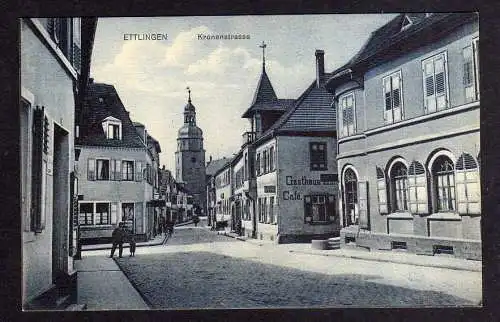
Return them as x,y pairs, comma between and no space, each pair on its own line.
200,269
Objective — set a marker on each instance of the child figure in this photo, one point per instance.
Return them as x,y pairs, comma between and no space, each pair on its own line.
132,244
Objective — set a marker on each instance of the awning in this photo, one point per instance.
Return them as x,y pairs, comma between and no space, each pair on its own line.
156,203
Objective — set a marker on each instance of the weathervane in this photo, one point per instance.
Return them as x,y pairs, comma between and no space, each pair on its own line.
263,46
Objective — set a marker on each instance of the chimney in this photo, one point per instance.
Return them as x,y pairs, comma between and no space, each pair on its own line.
320,65
91,80
163,168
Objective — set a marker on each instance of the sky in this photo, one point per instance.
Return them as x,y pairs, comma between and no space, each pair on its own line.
151,76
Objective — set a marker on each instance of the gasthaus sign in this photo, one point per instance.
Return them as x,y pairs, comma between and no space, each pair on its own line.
294,184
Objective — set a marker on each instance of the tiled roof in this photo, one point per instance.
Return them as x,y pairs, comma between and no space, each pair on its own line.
392,32
215,165
312,112
265,98
102,101
391,40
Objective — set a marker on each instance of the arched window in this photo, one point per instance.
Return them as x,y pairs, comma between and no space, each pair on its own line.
399,186
443,175
351,196
468,188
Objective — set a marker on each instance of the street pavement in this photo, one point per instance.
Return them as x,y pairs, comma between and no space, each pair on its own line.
198,268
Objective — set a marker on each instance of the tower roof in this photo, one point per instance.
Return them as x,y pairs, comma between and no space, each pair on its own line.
264,93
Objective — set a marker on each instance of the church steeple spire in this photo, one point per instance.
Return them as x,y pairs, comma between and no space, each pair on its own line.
263,46
189,110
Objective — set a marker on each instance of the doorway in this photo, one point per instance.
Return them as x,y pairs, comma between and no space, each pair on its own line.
60,201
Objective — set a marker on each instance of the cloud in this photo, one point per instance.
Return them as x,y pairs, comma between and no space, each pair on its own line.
185,47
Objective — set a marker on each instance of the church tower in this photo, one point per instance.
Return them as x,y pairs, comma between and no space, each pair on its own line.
190,156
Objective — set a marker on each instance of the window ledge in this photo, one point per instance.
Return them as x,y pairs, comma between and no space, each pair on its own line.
319,223
400,215
445,216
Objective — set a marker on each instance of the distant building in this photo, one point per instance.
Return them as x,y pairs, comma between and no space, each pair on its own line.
212,167
408,149
190,157
295,166
223,194
117,168
54,67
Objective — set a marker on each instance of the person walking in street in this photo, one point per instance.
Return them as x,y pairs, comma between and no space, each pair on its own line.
196,220
131,240
117,237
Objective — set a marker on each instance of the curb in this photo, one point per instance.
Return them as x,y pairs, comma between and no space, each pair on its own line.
138,245
369,259
146,300
390,261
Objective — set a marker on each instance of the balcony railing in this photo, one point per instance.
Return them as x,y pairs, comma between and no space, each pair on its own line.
248,137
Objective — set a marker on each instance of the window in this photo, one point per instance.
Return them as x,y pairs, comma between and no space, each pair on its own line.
318,156
444,183
351,197
86,214
102,169
393,98
112,128
128,170
271,159
265,163
468,188
319,208
38,170
264,210
257,164
471,71
347,119
245,168
259,207
435,83
399,189
257,123
102,214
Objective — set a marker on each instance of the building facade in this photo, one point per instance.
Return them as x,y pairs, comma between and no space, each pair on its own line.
223,195
190,157
55,61
212,167
408,149
117,170
296,170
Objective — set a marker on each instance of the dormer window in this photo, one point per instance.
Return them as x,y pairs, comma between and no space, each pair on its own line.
406,23
112,128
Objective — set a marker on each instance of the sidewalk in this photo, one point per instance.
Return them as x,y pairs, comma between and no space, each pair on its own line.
103,286
158,240
399,257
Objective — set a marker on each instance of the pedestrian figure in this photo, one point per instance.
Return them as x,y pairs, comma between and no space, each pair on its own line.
196,220
132,244
117,237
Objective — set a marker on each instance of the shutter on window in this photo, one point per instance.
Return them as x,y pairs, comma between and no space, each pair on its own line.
112,170
428,81
381,192
37,170
114,213
330,208
417,188
396,97
307,209
138,171
118,169
467,184
363,204
76,56
475,43
388,100
91,169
